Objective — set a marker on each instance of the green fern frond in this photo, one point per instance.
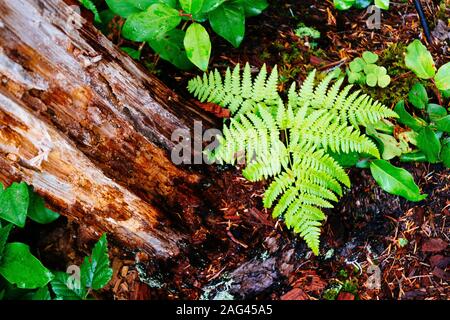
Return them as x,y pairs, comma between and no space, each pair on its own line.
289,142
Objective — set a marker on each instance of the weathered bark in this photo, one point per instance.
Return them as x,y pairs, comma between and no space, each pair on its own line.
90,130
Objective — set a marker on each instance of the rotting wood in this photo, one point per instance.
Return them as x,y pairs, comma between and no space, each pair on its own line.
106,128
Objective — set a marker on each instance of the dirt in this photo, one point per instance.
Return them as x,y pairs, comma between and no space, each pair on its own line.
406,242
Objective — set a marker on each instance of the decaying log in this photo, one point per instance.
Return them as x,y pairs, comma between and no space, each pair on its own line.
89,129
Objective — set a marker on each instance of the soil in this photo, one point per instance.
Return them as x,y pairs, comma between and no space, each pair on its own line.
407,241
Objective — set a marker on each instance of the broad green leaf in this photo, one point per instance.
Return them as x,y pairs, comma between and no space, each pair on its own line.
253,7
95,270
370,57
361,4
419,60
198,45
191,6
445,155
170,47
156,20
436,112
88,4
228,21
38,212
395,180
14,203
343,4
442,77
416,156
429,144
64,288
418,96
133,53
346,160
210,5
390,147
382,4
4,234
407,119
41,294
446,94
125,8
21,268
443,124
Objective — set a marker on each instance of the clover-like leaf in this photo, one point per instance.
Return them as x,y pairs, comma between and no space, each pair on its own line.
370,57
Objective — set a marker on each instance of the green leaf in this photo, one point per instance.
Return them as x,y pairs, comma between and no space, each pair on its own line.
445,155
371,69
126,8
384,81
443,124
407,119
418,96
14,203
88,4
346,160
361,4
133,53
228,21
170,47
210,5
390,147
191,6
416,156
95,270
253,7
357,65
442,77
395,180
156,20
370,57
4,234
38,212
419,60
21,268
41,294
436,112
372,80
198,45
343,4
60,286
429,144
382,4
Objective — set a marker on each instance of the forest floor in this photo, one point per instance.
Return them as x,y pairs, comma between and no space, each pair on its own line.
407,241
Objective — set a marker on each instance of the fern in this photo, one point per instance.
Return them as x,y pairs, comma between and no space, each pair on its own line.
289,142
